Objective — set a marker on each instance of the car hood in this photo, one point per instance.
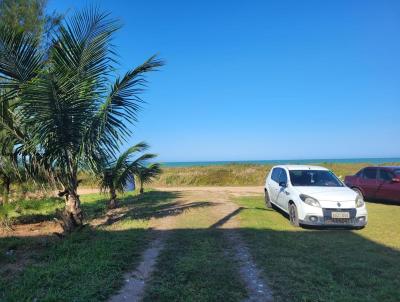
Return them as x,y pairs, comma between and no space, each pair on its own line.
329,193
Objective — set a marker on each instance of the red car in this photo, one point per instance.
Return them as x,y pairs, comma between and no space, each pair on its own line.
376,183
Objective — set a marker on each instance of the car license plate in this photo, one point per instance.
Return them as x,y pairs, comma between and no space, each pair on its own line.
340,215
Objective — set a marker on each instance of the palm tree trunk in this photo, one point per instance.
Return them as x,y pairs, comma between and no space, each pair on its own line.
6,189
113,203
72,216
141,188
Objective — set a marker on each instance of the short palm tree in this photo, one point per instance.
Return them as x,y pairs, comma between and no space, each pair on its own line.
116,174
8,175
69,99
146,174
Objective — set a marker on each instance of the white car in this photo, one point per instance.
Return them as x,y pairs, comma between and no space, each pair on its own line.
313,195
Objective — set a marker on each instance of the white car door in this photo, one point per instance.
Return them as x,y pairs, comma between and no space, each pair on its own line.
273,185
282,194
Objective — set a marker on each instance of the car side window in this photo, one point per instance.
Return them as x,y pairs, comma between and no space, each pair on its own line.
275,174
369,173
385,175
283,177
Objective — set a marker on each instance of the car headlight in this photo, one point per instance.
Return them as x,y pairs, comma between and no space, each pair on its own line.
359,201
310,200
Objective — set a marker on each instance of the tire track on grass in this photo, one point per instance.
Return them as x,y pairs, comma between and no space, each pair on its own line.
224,212
256,285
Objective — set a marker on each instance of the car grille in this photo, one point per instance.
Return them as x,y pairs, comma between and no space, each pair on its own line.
339,220
329,220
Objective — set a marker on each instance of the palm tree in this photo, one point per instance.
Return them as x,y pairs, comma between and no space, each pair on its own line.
146,175
119,172
69,100
7,176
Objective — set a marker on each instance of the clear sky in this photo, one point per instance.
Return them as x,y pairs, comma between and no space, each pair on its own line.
249,80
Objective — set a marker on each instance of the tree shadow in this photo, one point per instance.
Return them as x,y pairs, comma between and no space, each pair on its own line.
226,218
340,266
157,211
33,218
153,204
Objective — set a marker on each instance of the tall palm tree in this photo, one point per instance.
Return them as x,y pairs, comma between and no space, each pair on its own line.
74,107
8,161
146,175
116,174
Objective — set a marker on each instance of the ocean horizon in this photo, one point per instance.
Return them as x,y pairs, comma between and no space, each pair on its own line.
375,161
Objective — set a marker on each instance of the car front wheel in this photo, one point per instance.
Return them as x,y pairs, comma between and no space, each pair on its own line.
268,203
294,218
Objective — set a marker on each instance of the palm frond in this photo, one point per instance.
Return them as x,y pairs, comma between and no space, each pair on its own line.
60,103
133,168
124,157
20,58
20,61
147,174
110,127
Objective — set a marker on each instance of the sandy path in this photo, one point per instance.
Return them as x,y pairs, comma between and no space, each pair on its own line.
223,214
235,191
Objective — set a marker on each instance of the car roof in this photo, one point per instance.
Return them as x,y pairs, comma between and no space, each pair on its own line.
384,167
391,167
301,167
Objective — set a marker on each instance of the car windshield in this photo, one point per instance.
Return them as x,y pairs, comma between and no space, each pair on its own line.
397,172
314,178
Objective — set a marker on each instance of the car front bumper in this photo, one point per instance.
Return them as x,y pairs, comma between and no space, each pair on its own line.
356,219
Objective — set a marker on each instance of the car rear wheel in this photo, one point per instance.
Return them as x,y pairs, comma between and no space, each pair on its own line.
294,218
268,203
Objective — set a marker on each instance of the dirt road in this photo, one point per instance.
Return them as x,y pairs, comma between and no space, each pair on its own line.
219,213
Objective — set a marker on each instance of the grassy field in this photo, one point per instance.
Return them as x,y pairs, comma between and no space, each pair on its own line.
86,266
195,265
325,265
236,174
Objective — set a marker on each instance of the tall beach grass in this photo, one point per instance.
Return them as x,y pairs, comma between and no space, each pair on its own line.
237,174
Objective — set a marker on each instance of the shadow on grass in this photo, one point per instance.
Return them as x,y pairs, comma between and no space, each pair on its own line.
31,211
302,265
33,218
236,212
145,206
153,204
339,266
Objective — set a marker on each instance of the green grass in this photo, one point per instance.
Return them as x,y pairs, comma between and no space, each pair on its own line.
26,211
196,264
325,265
236,174
87,265
194,267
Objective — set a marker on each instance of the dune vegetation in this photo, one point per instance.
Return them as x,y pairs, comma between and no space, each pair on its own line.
237,174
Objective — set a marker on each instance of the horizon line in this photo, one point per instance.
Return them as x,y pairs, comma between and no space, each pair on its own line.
269,160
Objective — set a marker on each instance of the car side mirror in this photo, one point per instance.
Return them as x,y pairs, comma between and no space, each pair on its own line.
395,180
283,184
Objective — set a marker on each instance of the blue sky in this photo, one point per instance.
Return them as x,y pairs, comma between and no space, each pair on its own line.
249,80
